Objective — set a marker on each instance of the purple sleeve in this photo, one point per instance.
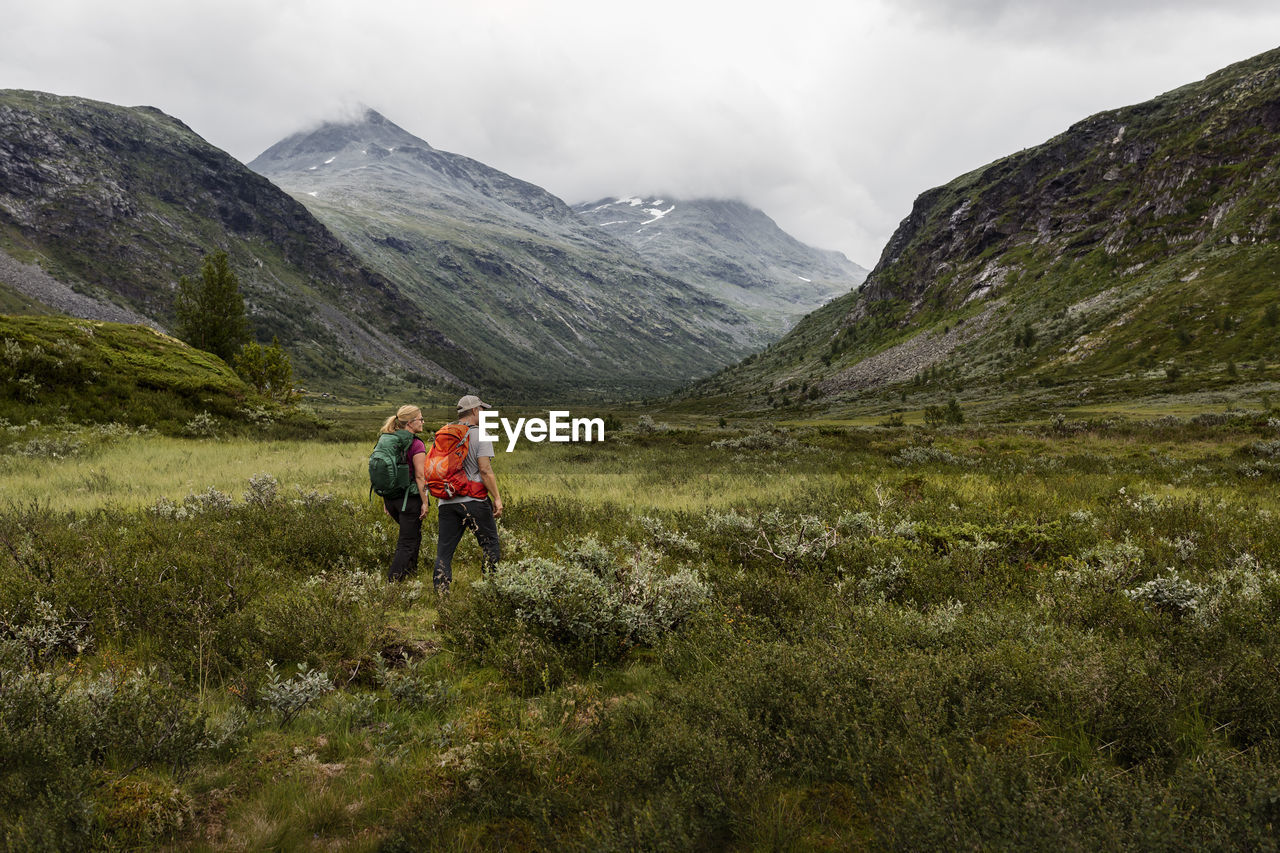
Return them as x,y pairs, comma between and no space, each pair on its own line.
415,447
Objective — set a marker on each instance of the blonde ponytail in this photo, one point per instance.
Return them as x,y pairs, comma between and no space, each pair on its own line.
401,418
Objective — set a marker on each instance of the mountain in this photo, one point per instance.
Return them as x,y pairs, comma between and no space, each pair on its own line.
1138,246
103,208
732,252
547,303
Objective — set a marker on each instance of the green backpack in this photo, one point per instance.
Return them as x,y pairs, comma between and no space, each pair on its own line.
389,473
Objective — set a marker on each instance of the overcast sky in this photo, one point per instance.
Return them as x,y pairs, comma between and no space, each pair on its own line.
830,116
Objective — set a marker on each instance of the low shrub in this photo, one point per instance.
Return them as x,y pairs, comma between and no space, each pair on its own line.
289,697
759,440
42,633
591,596
1169,594
203,425
58,732
587,606
334,617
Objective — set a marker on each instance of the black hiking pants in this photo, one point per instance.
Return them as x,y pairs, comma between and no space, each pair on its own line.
405,560
454,520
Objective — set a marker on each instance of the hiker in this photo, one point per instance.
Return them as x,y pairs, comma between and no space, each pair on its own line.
408,507
477,505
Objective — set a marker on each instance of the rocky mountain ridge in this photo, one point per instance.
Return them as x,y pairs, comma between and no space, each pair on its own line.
114,204
1142,244
732,252
545,301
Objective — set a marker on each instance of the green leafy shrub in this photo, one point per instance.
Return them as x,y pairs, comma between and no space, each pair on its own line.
42,633
948,415
759,440
144,811
55,730
538,615
268,369
1169,594
289,697
337,616
592,596
416,685
203,425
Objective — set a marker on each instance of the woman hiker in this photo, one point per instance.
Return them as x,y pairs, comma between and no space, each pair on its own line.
408,510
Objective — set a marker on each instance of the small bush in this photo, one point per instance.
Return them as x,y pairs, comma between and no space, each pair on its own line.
336,617
50,447
535,617
290,697
925,454
795,543
948,415
759,440
144,811
263,490
1168,594
203,425
193,505
411,687
591,596
44,633
55,730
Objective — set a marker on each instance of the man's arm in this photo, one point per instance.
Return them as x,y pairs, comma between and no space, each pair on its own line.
490,481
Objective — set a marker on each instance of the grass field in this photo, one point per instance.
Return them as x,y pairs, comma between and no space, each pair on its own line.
819,637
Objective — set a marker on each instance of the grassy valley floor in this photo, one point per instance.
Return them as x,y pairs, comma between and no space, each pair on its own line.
823,637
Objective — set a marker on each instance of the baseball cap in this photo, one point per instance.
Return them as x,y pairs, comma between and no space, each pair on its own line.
471,401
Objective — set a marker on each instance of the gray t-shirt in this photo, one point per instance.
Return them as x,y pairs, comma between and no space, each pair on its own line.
471,465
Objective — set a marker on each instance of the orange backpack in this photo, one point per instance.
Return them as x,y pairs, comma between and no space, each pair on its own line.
445,475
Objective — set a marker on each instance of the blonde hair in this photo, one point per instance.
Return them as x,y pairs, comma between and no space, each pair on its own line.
401,418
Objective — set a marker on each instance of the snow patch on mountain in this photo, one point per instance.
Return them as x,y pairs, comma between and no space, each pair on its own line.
656,213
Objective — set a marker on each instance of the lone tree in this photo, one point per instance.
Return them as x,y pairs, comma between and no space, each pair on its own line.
210,310
267,369
951,414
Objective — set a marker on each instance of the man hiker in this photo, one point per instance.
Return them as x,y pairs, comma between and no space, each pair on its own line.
464,512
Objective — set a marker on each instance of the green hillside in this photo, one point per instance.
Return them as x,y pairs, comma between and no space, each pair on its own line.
58,369
1137,251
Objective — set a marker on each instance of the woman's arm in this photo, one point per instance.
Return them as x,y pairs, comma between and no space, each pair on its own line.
420,477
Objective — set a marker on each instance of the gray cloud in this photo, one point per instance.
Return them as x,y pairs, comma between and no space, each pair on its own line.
831,118
1057,21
